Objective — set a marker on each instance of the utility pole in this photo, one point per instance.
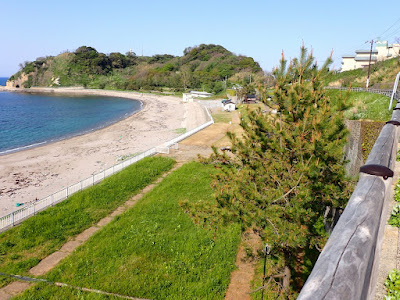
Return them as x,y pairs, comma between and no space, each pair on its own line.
369,64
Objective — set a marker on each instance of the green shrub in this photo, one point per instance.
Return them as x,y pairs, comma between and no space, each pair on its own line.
394,219
392,284
369,133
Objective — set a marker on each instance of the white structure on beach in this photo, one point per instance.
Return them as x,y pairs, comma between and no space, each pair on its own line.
187,97
230,107
200,94
382,52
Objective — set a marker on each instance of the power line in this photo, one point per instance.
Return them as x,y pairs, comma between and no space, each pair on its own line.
390,27
397,31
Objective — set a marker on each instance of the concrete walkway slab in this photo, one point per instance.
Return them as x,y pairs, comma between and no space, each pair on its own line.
84,236
48,263
105,221
70,246
388,259
13,289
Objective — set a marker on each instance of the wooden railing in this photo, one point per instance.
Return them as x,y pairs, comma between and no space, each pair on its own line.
347,266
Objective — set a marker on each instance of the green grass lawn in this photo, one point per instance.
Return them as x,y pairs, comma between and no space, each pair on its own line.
222,117
23,246
366,106
154,250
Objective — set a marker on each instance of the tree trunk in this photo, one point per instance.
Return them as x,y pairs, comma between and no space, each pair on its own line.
286,280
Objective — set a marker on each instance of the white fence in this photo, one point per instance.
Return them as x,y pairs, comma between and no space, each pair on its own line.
19,215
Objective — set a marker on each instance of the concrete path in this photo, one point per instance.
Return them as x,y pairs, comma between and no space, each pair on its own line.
390,252
49,262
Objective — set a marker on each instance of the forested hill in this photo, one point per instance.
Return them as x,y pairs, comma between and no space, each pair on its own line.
207,67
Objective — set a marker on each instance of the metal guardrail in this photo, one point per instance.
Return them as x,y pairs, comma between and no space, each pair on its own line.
347,266
31,209
387,93
396,83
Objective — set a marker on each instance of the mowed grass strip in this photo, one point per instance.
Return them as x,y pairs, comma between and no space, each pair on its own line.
365,106
23,246
222,117
154,250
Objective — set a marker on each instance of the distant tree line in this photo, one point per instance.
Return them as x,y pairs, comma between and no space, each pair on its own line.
207,67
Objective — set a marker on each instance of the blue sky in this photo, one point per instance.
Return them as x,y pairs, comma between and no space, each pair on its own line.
260,29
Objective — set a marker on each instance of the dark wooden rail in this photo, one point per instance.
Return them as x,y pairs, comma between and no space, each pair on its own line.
347,267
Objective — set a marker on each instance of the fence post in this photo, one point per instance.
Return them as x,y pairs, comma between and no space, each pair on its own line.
52,199
12,219
67,192
92,179
34,208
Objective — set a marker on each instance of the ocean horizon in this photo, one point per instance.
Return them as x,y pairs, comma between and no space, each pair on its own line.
30,120
3,81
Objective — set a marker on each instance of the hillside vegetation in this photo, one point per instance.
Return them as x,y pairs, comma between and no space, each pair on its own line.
382,75
208,67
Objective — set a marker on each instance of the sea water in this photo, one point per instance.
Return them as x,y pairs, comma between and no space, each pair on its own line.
3,81
29,120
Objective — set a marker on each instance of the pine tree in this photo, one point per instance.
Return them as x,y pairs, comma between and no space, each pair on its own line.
286,168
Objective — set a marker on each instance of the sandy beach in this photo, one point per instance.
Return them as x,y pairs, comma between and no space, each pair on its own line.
36,173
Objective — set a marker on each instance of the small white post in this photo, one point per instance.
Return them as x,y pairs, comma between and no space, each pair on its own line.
92,179
34,208
12,219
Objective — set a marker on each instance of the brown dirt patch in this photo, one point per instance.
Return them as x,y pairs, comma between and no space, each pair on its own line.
240,284
207,136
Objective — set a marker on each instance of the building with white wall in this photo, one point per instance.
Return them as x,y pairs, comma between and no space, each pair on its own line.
382,51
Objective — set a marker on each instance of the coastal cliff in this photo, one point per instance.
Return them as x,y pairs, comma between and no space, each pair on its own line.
17,82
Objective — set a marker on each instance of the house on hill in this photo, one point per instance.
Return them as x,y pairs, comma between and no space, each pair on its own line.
382,52
250,99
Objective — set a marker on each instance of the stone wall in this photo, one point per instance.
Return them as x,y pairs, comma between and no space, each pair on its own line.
353,148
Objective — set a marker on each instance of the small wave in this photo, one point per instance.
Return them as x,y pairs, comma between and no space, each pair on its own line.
21,148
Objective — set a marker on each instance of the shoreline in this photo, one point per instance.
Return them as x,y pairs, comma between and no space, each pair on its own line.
72,135
38,172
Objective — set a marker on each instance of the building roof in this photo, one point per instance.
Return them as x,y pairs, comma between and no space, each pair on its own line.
373,58
348,56
367,51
